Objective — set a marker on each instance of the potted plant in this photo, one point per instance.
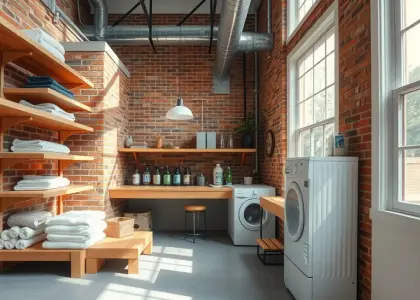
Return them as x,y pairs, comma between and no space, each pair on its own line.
247,128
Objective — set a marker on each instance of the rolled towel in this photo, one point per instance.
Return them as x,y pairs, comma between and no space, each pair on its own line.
5,235
1,244
27,233
31,219
14,232
10,244
23,244
84,230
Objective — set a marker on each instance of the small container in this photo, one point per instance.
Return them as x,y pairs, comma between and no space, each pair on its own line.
187,177
247,180
222,144
167,180
230,141
159,142
229,177
339,145
157,178
119,227
147,177
136,177
201,180
218,175
177,177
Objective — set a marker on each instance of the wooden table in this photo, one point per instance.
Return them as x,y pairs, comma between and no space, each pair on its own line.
170,192
275,205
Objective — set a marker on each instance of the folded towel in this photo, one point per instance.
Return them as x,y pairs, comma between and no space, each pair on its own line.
31,219
38,146
53,51
27,233
73,220
41,184
10,244
34,179
100,215
23,244
52,237
38,149
5,235
71,245
47,82
38,188
39,35
14,232
65,115
2,246
84,230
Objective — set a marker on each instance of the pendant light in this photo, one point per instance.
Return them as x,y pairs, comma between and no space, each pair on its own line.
179,112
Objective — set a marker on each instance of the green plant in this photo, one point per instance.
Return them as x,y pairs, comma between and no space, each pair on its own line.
248,124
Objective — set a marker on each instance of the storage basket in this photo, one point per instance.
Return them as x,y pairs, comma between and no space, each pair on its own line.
142,221
119,227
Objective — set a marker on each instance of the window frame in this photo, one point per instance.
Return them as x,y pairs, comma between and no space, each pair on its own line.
293,23
325,23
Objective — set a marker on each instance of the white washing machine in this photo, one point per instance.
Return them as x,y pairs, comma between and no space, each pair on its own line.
320,236
244,214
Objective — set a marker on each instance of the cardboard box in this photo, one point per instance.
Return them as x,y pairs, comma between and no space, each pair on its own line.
142,221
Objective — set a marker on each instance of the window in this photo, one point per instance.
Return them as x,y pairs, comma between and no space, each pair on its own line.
406,98
298,10
313,92
303,7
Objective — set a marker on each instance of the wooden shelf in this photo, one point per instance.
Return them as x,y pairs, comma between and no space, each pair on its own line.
38,118
44,155
170,192
37,59
69,190
174,151
273,205
45,95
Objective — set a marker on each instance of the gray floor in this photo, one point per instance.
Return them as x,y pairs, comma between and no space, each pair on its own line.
177,270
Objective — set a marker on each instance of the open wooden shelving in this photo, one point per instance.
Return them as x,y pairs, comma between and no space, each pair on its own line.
45,95
184,150
69,190
31,56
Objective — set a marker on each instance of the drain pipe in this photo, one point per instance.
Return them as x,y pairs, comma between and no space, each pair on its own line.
257,100
100,21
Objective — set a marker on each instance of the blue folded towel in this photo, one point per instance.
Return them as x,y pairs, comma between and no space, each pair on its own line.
47,82
51,86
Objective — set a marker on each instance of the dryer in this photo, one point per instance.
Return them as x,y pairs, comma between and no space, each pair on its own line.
244,214
320,236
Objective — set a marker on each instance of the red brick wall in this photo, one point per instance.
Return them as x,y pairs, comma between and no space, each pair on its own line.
354,104
154,90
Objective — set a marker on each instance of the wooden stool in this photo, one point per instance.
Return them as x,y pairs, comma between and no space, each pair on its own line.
195,210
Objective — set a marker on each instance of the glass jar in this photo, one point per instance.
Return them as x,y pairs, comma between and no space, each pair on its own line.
230,141
222,141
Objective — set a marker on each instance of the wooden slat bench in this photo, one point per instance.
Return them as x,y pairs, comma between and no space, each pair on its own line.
76,258
270,247
130,248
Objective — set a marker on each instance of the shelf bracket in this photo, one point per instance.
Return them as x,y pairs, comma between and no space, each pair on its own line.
10,56
136,159
5,203
7,122
64,135
66,163
8,163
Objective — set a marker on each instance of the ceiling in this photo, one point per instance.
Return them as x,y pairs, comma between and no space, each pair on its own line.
169,6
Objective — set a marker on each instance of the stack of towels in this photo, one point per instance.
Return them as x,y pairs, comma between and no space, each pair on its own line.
46,41
34,82
26,230
41,183
38,146
75,230
50,108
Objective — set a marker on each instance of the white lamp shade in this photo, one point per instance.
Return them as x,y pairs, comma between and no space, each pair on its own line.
180,112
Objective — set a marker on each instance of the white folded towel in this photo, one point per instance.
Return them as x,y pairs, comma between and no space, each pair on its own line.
23,244
2,246
39,35
45,183
31,219
5,235
27,233
14,232
52,237
68,116
53,51
10,244
71,245
96,214
38,146
84,230
73,220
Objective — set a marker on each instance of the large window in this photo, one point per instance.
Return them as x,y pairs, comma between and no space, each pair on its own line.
297,11
312,78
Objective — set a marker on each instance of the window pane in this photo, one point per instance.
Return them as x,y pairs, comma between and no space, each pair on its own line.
411,178
309,61
308,5
319,107
319,76
305,143
301,115
301,13
319,50
411,134
317,141
411,10
309,84
309,112
412,57
331,69
301,67
301,89
301,2
328,131
330,41
330,102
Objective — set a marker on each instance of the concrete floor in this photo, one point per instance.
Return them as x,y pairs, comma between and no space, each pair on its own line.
177,270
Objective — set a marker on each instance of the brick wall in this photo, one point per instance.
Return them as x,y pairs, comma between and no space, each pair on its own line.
354,104
154,90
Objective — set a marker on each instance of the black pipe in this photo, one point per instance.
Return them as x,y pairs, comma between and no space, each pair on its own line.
127,14
213,6
190,13
244,80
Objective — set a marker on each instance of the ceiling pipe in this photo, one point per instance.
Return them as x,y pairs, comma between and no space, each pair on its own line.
100,21
232,22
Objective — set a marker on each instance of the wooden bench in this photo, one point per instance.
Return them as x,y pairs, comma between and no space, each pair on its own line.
271,248
130,248
76,258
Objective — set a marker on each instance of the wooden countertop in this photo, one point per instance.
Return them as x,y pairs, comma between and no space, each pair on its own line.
170,192
274,205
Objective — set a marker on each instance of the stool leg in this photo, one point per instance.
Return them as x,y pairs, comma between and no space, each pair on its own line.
194,227
185,225
205,225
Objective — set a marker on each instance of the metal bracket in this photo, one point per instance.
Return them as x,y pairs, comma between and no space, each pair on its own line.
64,135
221,85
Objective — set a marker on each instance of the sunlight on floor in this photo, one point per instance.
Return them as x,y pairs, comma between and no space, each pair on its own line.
76,281
173,251
119,291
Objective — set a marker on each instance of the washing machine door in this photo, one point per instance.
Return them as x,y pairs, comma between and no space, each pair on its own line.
250,215
294,212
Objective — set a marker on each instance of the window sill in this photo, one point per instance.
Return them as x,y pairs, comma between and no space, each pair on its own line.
398,219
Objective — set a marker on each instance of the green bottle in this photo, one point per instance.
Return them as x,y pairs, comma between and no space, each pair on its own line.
177,177
166,176
229,177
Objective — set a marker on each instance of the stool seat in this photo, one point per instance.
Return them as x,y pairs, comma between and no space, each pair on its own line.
195,207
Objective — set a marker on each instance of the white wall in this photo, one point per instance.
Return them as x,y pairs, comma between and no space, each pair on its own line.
396,259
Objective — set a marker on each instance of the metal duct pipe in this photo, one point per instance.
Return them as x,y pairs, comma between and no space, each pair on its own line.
100,21
168,35
269,17
232,22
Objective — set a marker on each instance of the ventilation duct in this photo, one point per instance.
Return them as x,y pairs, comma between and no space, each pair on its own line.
100,21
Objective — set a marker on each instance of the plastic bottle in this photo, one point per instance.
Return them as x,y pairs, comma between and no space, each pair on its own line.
136,177
218,175
146,176
187,177
229,177
157,178
177,177
166,176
